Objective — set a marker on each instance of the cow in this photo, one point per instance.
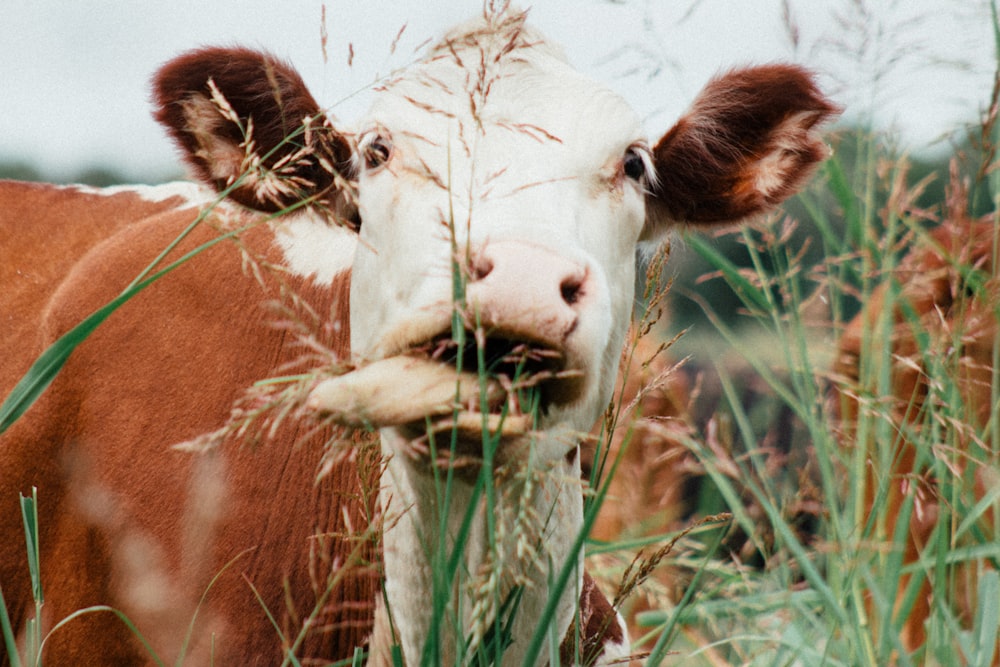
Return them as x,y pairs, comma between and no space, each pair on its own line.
919,359
637,458
644,445
491,205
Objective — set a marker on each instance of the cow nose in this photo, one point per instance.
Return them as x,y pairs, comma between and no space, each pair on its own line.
523,291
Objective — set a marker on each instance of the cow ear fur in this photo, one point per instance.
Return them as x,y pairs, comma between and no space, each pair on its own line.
747,143
238,113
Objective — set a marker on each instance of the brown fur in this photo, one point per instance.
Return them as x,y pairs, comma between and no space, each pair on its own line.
165,368
596,625
709,164
947,310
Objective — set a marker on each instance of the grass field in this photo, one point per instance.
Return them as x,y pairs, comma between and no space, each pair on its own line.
825,474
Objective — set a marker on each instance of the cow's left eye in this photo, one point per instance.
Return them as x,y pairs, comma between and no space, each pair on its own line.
376,150
634,164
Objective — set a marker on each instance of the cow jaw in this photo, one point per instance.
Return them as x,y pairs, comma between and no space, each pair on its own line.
444,412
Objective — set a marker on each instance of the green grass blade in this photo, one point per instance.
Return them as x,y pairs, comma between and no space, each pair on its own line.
8,633
289,657
29,512
47,366
659,649
752,295
987,618
846,197
121,616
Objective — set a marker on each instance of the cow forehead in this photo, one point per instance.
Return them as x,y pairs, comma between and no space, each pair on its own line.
491,99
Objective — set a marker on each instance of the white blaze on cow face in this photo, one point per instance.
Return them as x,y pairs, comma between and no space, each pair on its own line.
517,163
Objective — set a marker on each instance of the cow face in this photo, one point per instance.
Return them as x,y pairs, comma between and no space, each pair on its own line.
497,182
495,200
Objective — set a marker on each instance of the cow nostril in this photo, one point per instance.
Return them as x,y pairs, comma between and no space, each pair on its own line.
479,268
571,290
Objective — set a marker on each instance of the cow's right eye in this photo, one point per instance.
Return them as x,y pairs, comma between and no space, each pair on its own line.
376,150
636,163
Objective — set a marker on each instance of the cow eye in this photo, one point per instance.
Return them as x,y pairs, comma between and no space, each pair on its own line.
376,150
634,164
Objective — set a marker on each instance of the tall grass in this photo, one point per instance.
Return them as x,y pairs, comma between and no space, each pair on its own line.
843,594
828,517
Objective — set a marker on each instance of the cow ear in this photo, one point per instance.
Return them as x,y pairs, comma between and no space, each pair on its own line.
748,142
241,115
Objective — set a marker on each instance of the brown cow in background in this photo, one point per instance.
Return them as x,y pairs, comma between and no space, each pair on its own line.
939,337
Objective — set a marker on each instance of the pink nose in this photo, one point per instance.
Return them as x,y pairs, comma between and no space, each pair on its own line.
526,292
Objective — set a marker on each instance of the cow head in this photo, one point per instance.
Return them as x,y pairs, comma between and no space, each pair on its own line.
493,181
490,208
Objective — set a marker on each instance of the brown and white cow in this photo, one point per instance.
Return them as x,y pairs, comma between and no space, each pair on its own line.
490,162
918,367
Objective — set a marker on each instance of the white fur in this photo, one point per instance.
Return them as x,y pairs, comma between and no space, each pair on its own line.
193,194
616,653
536,160
557,501
313,248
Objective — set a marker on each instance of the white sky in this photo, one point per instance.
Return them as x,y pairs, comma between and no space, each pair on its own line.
74,75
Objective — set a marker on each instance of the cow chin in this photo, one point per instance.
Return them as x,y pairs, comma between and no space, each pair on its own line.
463,448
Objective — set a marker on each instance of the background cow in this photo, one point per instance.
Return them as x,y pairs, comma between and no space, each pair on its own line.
492,195
915,370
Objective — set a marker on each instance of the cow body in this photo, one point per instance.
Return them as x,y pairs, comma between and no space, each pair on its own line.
491,190
161,533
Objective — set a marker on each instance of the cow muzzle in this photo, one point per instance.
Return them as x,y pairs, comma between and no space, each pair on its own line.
503,363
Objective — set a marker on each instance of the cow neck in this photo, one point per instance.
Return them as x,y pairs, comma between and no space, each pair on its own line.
412,509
